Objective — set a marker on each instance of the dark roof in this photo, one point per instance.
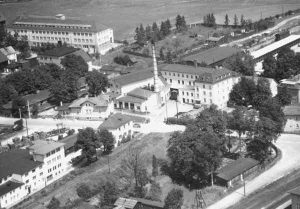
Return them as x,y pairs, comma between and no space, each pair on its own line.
132,99
205,74
8,187
99,101
3,57
212,55
134,77
236,168
291,110
83,54
16,162
65,106
149,202
115,121
30,20
140,93
295,191
32,98
58,51
69,141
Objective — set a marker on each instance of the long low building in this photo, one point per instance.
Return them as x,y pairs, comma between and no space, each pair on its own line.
82,34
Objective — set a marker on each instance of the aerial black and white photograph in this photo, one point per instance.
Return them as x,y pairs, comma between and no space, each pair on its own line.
149,104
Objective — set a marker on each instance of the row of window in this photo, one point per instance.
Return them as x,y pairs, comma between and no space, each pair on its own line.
83,40
182,75
54,168
53,26
50,38
53,160
53,151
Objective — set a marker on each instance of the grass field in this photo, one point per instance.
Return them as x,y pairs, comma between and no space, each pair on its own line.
124,15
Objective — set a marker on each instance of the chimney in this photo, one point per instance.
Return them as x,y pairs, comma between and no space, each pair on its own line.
155,71
195,63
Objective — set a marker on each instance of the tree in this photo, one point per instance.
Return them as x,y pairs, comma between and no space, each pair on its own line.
84,191
54,70
140,35
169,58
284,96
161,53
107,140
168,26
23,81
19,106
88,141
209,20
269,67
75,64
226,22
54,203
180,23
42,79
7,92
110,192
155,192
243,93
154,166
35,110
97,82
241,62
155,32
235,21
243,21
163,29
285,64
177,43
148,32
263,92
174,199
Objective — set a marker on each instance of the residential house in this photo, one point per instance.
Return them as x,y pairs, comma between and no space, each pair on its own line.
56,54
292,115
26,171
119,125
137,203
88,108
293,87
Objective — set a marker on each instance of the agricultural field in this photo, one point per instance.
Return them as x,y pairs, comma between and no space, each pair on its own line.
124,15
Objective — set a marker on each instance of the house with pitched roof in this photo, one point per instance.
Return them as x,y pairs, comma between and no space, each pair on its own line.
137,203
119,125
88,108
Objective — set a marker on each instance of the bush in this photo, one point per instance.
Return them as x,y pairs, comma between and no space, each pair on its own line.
71,132
125,139
18,125
60,137
84,191
180,121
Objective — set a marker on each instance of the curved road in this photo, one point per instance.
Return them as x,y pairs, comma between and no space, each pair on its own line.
289,146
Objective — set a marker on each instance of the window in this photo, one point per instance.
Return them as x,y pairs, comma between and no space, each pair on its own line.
298,206
53,151
34,177
187,93
183,93
187,76
204,92
204,100
41,173
210,94
192,94
173,74
170,80
178,81
27,181
182,82
190,83
204,86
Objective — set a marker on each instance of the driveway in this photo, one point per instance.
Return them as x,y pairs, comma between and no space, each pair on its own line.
289,146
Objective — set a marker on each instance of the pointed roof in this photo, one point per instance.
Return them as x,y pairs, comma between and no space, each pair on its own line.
115,121
100,101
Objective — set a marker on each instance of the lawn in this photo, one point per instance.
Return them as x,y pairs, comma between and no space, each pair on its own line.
124,15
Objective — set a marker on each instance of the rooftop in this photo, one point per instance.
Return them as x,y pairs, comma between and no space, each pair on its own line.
278,44
134,77
99,101
115,121
8,187
58,51
295,191
3,57
291,110
69,141
42,147
44,22
16,162
212,55
8,50
236,168
130,203
131,99
140,93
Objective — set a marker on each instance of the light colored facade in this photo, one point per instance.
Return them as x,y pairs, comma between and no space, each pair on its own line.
199,85
293,87
30,170
10,53
119,125
59,29
89,108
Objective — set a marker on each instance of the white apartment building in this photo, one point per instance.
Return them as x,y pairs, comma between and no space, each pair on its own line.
82,34
199,85
23,172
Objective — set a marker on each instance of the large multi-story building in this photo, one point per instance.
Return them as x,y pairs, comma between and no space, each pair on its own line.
59,29
200,85
25,171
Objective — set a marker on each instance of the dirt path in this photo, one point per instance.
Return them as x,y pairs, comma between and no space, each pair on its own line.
289,145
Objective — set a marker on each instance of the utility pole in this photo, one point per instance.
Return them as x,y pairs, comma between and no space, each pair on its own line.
244,182
28,109
20,113
166,108
108,163
26,127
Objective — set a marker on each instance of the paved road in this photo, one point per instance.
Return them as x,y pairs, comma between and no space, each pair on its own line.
290,146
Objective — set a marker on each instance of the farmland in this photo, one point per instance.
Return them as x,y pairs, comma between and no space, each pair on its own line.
124,15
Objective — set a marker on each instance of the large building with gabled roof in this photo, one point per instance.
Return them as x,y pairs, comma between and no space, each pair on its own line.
78,33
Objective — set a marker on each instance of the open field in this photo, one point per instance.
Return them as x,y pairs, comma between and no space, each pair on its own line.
124,15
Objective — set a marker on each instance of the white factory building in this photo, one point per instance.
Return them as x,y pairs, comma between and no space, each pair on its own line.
82,34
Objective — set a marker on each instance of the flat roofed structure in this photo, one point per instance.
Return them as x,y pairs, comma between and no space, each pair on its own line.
16,162
42,147
213,56
137,203
274,47
133,77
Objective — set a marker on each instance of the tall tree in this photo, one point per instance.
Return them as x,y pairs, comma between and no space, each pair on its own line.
241,62
155,192
155,32
269,67
243,21
19,106
148,32
263,92
226,22
97,82
107,139
174,199
154,166
168,26
235,21
75,64
22,81
284,96
161,54
54,203
169,58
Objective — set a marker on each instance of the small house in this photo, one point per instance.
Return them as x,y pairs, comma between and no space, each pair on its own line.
137,203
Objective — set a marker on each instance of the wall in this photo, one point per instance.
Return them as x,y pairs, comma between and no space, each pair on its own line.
295,201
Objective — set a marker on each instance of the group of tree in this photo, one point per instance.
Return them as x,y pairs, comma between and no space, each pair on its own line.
89,140
19,43
143,35
241,63
209,20
285,65
197,152
180,23
258,115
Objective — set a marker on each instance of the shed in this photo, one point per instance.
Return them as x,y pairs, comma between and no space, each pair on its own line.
236,170
137,203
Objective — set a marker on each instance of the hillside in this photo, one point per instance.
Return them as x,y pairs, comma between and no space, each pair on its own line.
124,15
